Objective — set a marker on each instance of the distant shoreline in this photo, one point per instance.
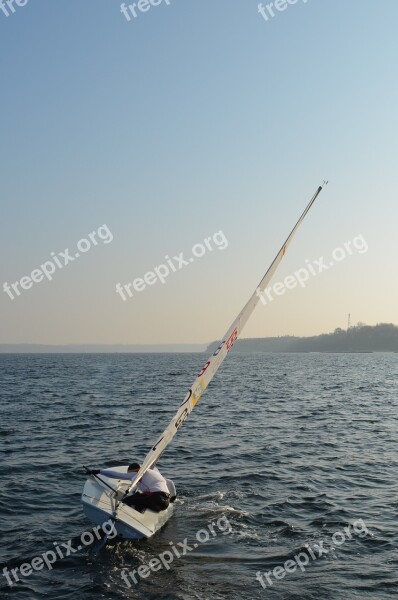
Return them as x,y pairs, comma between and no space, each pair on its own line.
360,339
100,348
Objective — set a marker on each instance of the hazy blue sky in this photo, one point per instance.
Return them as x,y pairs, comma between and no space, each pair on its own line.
190,119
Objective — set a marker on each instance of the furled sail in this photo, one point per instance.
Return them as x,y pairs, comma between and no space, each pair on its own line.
210,368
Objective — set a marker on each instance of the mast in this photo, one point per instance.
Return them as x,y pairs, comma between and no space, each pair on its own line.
212,365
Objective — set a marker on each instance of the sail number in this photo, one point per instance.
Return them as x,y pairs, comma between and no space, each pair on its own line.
207,365
182,418
219,348
232,338
157,444
204,369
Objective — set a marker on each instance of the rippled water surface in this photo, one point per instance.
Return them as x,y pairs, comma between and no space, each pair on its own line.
291,448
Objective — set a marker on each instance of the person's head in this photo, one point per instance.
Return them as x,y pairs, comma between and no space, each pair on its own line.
133,468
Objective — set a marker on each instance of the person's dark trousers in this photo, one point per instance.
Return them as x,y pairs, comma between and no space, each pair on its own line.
157,501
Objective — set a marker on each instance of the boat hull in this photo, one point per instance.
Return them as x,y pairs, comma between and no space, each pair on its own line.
99,506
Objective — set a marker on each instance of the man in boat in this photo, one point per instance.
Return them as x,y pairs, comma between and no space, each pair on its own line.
155,492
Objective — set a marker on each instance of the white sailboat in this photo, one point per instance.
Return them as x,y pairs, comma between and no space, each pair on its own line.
103,497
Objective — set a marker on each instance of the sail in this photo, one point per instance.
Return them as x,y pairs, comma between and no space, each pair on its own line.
210,368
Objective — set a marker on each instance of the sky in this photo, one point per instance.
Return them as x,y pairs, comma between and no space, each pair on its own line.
193,121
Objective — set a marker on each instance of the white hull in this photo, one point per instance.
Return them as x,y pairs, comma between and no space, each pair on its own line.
99,504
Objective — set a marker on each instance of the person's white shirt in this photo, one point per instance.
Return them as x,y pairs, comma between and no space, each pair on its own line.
172,488
151,481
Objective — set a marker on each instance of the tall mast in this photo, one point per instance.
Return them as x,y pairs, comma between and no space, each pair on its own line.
210,368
